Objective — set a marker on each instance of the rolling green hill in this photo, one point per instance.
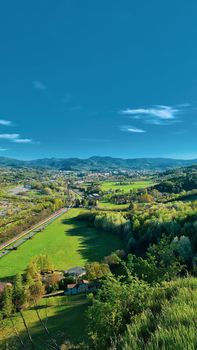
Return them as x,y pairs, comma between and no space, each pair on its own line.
99,163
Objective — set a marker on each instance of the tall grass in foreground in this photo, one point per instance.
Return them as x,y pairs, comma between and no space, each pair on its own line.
173,327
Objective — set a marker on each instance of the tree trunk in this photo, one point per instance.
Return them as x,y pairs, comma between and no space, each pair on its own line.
28,333
45,328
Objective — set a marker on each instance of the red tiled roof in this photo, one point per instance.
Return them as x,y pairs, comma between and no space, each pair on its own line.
70,286
84,281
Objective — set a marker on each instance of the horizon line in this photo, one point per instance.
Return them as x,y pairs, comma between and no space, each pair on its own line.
98,156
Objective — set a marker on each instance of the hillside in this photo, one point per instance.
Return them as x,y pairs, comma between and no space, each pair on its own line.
171,325
99,163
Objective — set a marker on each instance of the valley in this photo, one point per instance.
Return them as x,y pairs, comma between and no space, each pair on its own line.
134,234
69,242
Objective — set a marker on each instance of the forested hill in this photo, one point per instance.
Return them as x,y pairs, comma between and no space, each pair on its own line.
99,163
178,180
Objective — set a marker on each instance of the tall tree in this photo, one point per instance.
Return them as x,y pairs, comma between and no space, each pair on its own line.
7,304
18,292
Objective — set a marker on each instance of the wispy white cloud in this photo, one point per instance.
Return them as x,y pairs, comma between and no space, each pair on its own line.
39,85
131,129
22,140
184,105
5,122
159,111
157,114
157,121
15,138
9,137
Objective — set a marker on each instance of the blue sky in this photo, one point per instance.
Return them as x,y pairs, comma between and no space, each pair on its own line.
83,78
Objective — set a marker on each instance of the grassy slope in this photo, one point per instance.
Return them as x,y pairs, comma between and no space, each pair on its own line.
174,328
177,326
67,241
110,185
66,321
108,205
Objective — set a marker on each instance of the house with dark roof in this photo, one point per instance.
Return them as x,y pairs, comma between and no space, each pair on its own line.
77,288
82,286
76,271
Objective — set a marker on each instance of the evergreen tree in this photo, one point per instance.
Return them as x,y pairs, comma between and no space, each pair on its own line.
7,304
18,292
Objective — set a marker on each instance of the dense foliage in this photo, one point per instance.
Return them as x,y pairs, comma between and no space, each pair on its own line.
27,197
178,181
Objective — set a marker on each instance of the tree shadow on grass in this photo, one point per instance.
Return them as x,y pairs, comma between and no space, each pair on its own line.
66,324
95,243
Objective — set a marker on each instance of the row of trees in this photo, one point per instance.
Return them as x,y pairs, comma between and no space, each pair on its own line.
18,222
27,289
146,225
113,222
176,220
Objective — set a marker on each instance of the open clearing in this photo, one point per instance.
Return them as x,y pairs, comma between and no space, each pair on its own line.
114,206
124,187
67,241
65,321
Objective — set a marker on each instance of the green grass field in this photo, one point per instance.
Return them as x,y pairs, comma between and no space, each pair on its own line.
108,205
114,185
67,241
65,321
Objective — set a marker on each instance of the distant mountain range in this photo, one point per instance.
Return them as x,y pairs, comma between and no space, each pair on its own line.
99,163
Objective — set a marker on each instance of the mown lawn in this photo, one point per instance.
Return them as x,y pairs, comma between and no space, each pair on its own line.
64,317
67,241
108,205
114,185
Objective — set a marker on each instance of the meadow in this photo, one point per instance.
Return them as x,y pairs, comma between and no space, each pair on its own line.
124,187
67,241
112,206
64,316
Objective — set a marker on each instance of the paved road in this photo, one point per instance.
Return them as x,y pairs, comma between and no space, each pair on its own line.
41,223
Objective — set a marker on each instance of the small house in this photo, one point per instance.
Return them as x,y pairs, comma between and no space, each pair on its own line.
76,271
83,286
77,288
